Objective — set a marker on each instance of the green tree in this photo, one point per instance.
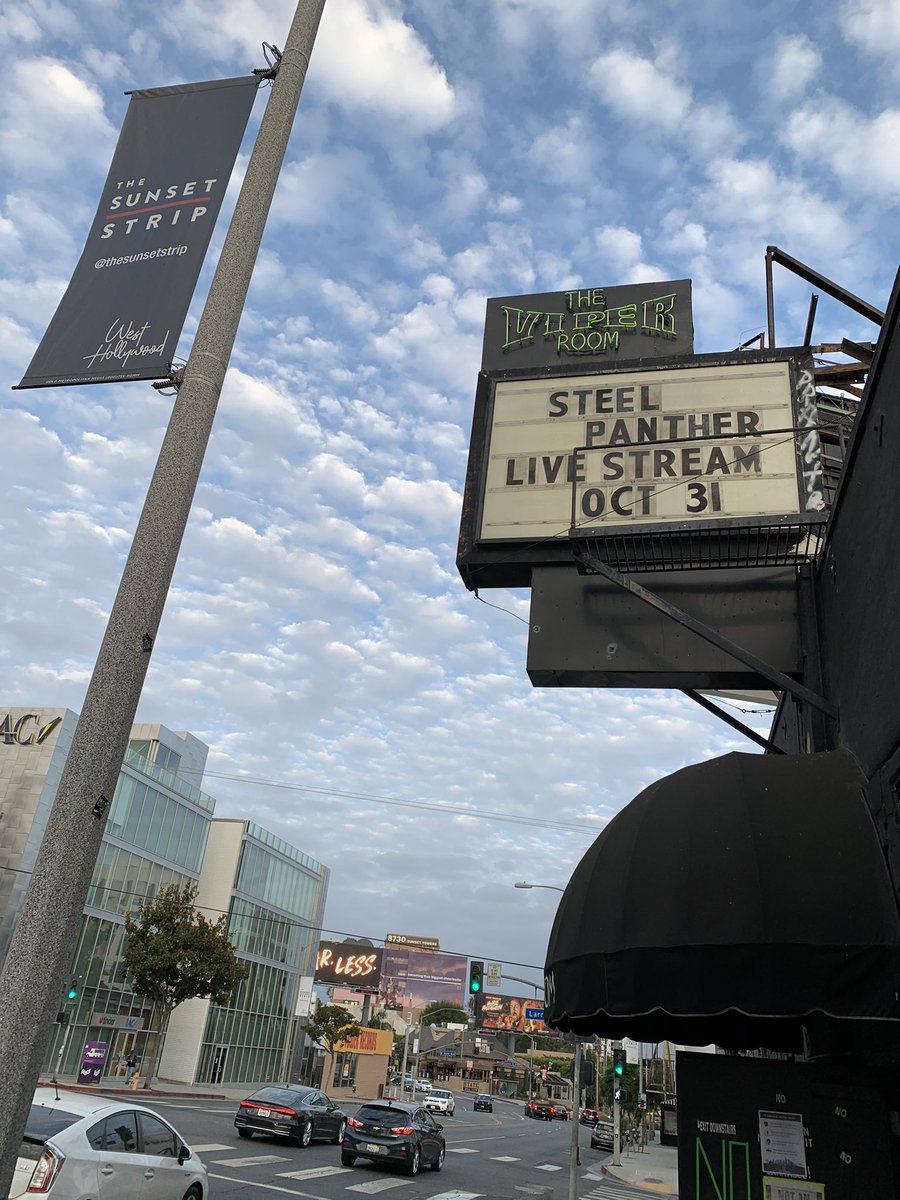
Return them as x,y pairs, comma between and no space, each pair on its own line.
439,1012
330,1025
378,1020
173,954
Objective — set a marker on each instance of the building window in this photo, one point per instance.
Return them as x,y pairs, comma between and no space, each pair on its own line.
344,1070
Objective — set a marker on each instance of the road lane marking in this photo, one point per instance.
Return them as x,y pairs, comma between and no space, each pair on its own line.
313,1173
268,1187
500,1158
210,1147
456,1195
250,1160
548,1167
461,1150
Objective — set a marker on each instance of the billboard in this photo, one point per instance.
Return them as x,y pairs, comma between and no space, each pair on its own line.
121,315
637,320
350,964
425,975
712,441
513,1014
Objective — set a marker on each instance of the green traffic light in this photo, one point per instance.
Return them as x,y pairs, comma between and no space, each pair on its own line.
475,986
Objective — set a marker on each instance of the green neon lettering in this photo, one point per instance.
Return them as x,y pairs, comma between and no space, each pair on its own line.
700,1152
520,325
659,316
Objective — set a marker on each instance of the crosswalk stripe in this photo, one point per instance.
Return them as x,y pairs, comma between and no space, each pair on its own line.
313,1173
548,1167
456,1195
462,1150
210,1147
500,1158
378,1185
254,1160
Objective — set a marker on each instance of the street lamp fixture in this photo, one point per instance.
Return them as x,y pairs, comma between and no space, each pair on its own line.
549,886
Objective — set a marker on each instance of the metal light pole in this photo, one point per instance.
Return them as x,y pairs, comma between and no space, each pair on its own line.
47,928
574,1160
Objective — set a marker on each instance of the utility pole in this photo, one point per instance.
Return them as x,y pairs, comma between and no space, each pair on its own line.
617,1119
40,951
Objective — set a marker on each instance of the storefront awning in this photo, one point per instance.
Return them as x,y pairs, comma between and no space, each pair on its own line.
726,903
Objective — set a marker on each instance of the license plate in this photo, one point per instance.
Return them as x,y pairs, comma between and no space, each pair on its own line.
265,1112
373,1148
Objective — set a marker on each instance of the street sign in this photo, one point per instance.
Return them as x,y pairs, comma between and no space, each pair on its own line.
494,975
534,1013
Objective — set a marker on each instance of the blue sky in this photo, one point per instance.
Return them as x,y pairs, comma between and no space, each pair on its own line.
317,634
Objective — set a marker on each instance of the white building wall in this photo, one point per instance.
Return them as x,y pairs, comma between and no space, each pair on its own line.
181,1052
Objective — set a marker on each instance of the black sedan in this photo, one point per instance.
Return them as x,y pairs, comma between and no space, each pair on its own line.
297,1114
483,1103
403,1134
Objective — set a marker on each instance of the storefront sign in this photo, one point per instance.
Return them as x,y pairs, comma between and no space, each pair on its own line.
115,1021
640,320
26,730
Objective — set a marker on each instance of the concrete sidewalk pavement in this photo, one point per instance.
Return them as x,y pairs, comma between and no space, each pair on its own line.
655,1168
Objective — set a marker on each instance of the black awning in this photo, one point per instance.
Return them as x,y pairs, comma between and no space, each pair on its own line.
726,903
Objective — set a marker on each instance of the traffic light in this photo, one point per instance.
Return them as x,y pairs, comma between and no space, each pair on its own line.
476,973
618,1062
73,990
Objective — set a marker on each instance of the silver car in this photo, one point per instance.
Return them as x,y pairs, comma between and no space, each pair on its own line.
87,1145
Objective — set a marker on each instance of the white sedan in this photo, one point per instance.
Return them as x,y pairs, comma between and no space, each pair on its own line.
77,1145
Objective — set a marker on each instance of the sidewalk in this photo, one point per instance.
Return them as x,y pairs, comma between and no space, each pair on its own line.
654,1168
162,1087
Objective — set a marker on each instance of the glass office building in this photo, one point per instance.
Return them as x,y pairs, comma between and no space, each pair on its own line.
161,830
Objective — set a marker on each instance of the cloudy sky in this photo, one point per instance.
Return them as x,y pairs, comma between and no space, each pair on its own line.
357,699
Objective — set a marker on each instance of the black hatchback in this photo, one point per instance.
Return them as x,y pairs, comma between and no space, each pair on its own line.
297,1114
403,1134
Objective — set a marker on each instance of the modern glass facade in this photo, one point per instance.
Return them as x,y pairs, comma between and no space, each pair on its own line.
275,913
155,835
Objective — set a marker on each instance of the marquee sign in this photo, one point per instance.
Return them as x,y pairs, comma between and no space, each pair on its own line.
704,439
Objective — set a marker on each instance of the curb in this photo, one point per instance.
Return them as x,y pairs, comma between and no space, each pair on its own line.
657,1188
126,1091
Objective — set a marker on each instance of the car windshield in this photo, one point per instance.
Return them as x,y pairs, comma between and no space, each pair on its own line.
442,1095
282,1096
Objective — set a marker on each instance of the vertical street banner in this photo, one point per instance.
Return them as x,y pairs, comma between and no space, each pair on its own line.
122,313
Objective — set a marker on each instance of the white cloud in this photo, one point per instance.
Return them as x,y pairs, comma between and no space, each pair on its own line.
796,63
635,88
862,152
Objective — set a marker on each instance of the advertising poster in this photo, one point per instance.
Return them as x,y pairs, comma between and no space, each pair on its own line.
426,975
121,315
93,1060
350,964
513,1014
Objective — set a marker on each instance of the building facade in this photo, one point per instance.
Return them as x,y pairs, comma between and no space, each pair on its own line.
274,895
160,830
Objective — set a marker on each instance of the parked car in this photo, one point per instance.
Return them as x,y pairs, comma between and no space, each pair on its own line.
389,1131
424,1085
296,1114
440,1101
558,1112
483,1103
602,1135
84,1145
539,1109
589,1116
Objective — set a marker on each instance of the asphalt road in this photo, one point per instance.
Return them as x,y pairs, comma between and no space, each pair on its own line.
499,1156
